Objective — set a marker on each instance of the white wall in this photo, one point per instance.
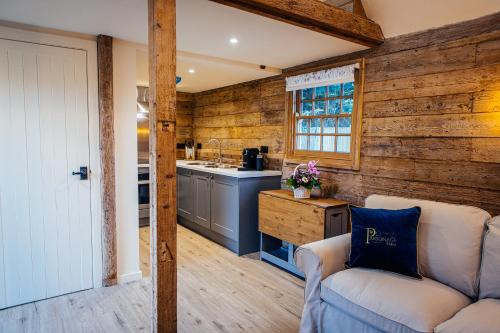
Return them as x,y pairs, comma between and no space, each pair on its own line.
142,67
125,107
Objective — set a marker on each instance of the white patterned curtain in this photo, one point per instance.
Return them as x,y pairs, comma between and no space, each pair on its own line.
321,78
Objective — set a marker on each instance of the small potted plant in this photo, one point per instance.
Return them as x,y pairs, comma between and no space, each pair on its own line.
303,181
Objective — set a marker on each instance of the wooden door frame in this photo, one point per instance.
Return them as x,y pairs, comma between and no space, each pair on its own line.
52,38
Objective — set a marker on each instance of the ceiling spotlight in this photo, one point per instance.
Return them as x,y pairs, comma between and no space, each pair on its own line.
191,71
233,41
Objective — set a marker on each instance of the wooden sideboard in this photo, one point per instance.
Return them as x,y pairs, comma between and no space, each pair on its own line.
286,223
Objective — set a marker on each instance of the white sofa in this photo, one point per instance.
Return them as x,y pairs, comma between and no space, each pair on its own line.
460,291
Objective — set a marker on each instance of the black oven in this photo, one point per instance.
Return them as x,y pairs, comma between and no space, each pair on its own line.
143,181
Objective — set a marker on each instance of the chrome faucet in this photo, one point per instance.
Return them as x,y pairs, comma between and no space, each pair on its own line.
220,148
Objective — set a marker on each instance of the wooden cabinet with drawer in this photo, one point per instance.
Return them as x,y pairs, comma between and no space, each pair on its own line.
301,221
286,222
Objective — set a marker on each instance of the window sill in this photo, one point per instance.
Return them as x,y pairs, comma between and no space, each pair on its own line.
347,164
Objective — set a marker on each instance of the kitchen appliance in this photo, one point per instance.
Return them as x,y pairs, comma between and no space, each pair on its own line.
143,125
143,154
249,159
143,181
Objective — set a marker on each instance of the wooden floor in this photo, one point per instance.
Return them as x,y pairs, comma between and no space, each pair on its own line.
144,258
217,292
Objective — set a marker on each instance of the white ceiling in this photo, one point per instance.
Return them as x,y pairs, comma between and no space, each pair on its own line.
399,17
204,27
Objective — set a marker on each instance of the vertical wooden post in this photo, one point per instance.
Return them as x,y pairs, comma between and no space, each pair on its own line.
162,115
107,143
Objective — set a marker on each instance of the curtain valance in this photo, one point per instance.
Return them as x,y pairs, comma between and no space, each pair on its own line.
321,78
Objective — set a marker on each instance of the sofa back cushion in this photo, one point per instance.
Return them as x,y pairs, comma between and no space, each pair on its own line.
449,240
489,281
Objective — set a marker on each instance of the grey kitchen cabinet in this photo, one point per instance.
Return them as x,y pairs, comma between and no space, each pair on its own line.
222,208
202,198
185,203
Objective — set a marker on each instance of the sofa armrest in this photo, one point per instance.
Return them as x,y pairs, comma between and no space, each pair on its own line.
325,257
319,260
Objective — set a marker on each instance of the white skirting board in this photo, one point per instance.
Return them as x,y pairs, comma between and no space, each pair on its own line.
129,277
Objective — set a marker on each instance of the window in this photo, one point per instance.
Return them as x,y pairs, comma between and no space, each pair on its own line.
323,117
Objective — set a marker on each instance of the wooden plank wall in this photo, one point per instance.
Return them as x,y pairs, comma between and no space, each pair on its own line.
246,115
431,118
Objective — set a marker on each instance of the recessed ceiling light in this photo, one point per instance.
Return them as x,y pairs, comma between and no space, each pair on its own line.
233,41
191,71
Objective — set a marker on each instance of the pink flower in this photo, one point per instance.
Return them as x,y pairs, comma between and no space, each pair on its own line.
311,167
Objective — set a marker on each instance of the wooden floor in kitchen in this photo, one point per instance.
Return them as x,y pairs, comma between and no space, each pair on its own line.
217,292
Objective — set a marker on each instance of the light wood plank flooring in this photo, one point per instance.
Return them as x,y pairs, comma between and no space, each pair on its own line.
217,292
144,258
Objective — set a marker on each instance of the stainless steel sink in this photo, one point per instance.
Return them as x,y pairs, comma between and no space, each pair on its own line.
227,166
201,163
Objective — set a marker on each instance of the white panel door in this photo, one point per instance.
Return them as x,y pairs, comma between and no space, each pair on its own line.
45,213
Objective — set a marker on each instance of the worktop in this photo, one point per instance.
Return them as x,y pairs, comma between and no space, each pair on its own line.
227,172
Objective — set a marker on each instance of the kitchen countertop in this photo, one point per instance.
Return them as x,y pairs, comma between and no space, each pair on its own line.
227,172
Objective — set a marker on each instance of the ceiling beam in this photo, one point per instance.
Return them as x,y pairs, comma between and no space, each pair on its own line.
317,16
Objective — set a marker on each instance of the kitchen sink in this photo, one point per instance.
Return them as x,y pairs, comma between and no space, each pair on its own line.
201,163
227,166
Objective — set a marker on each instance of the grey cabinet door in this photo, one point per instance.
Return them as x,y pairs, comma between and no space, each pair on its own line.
185,194
225,207
202,199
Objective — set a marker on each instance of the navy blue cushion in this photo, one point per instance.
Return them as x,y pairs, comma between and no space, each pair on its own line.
385,239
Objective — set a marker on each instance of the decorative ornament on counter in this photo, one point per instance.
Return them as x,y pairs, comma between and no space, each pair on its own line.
303,181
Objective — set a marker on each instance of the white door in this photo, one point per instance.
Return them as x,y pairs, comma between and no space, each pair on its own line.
45,213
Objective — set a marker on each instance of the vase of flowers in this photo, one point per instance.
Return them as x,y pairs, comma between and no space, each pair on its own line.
303,181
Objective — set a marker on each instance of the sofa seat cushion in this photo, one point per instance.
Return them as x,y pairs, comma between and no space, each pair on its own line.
480,317
391,302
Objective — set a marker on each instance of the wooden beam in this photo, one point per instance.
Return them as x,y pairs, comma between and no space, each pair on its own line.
317,16
107,142
162,121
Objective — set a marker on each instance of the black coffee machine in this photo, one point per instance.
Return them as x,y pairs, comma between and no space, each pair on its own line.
249,159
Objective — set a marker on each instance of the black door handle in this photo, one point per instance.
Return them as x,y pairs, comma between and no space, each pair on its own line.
83,173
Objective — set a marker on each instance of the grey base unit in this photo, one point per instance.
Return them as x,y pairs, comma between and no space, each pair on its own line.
221,208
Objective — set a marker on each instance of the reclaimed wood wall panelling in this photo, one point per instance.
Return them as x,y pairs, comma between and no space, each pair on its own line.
250,114
432,121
